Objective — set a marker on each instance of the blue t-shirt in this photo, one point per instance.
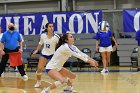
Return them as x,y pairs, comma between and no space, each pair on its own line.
138,37
11,40
104,38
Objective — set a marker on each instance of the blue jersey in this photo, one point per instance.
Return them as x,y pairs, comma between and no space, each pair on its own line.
138,37
104,38
11,40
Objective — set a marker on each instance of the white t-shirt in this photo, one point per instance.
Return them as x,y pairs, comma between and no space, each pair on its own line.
1,36
49,43
62,54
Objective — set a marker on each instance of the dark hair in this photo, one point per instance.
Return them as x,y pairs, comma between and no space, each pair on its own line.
62,40
46,26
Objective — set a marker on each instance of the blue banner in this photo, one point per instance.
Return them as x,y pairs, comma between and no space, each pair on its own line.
131,20
75,22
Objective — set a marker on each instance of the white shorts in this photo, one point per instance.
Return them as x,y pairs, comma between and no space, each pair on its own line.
106,49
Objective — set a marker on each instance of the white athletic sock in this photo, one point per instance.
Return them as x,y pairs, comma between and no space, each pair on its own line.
48,89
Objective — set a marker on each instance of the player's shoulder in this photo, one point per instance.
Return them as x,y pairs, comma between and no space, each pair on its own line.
6,33
71,47
43,35
64,46
56,35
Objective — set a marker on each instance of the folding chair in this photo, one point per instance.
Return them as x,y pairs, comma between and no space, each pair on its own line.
134,59
33,61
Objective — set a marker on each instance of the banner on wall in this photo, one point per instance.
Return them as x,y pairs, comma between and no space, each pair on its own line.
75,22
131,20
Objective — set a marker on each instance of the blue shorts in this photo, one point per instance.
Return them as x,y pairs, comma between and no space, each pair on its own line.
45,56
47,70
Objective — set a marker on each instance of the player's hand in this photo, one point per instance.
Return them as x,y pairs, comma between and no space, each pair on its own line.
93,63
34,52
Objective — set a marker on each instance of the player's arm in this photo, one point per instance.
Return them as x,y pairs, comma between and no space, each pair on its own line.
97,45
38,46
82,56
80,52
37,49
114,41
97,41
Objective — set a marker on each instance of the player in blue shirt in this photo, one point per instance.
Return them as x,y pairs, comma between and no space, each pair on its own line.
103,44
10,43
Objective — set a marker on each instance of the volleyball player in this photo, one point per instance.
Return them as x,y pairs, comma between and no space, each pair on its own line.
55,69
104,45
49,40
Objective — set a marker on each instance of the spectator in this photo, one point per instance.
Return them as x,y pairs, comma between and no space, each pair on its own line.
10,43
103,44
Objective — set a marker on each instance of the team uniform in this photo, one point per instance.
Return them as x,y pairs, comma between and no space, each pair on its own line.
49,45
104,38
62,54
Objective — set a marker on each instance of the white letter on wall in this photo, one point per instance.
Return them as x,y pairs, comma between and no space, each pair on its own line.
16,22
8,21
0,20
80,23
91,20
59,19
44,21
28,25
136,21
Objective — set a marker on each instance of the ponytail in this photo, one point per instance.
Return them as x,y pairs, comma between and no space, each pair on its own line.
62,40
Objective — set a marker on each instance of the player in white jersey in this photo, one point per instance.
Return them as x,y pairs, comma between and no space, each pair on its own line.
55,69
49,40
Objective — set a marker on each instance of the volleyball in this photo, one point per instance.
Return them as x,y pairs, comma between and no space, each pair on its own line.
103,26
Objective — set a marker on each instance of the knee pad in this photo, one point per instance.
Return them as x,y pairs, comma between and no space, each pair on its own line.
38,73
57,83
66,80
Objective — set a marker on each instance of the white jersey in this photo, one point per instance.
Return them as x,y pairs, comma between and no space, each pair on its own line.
49,43
62,54
1,36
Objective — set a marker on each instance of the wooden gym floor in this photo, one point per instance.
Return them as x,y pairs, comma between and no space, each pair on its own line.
117,81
